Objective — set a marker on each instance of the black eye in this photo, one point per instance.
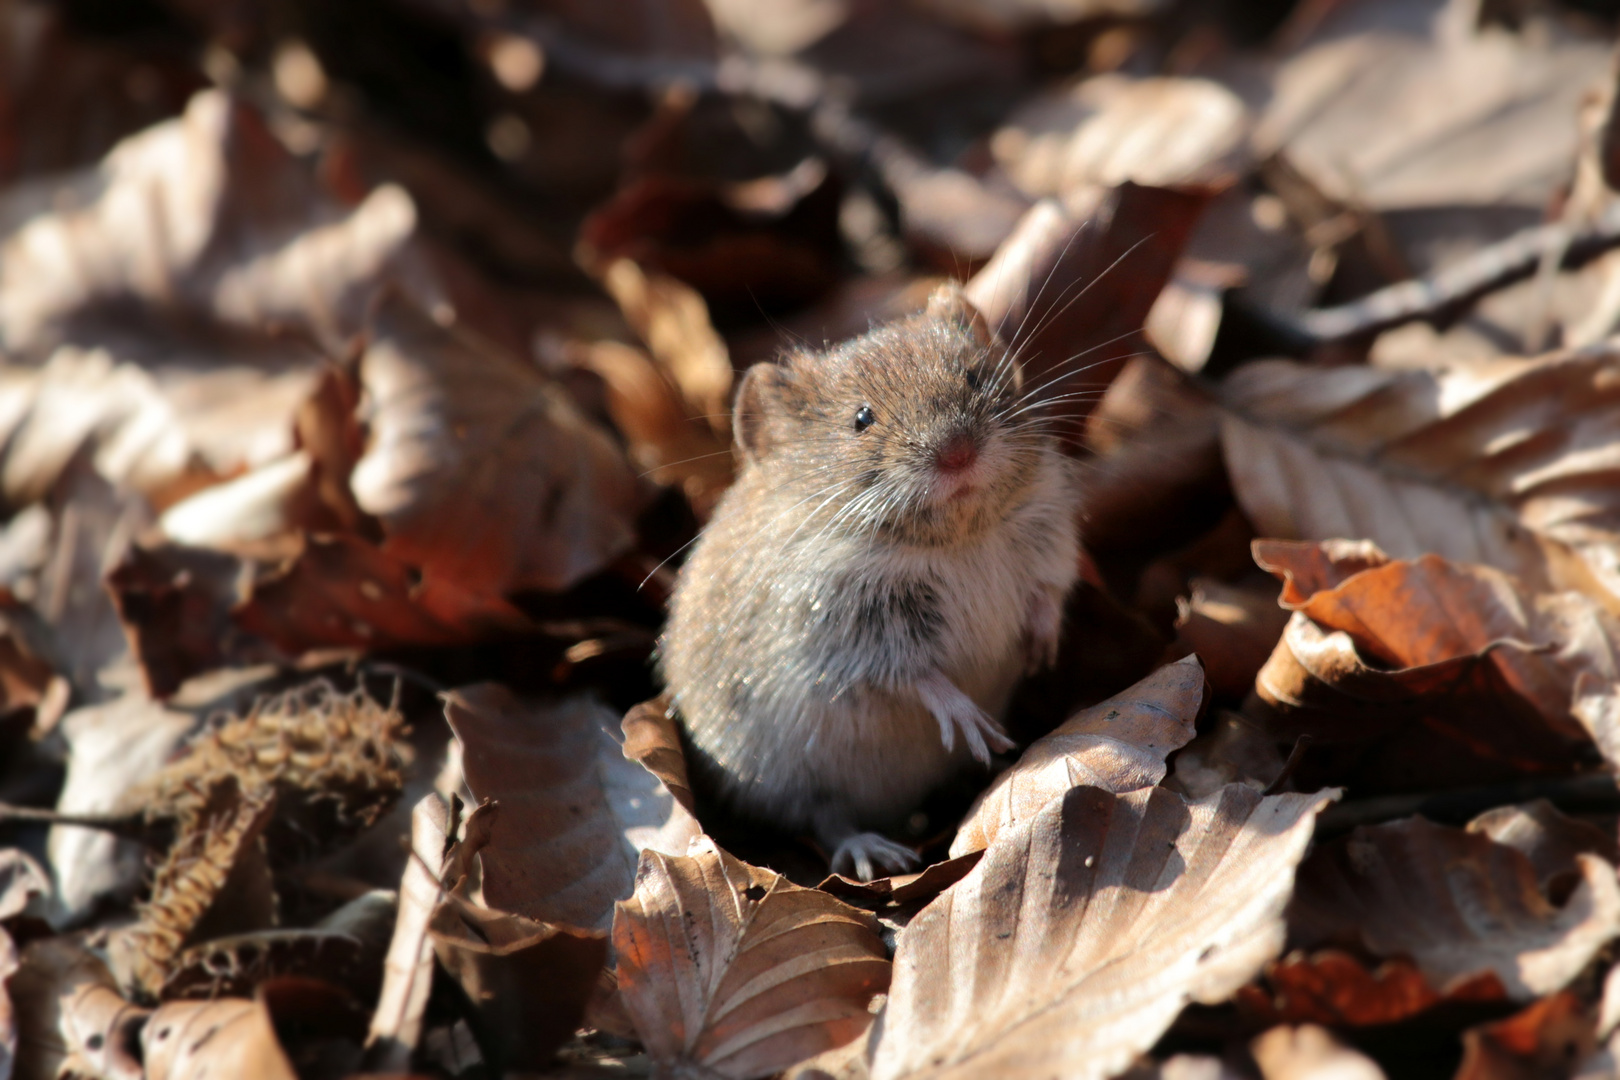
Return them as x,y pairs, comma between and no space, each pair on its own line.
973,378
864,418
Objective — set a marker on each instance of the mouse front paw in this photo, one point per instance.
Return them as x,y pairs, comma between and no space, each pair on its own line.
954,711
861,855
1043,629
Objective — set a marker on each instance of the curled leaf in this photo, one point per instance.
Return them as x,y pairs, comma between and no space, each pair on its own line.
1118,745
732,969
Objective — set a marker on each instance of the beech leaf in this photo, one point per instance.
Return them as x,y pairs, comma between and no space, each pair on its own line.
1118,745
732,969
1076,941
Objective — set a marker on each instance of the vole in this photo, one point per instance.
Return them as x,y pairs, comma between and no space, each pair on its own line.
894,554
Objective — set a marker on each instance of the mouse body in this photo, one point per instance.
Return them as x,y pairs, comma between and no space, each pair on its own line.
893,556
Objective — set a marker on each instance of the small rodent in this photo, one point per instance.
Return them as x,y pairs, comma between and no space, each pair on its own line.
894,554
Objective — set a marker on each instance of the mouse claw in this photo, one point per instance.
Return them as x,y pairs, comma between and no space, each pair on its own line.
955,711
861,855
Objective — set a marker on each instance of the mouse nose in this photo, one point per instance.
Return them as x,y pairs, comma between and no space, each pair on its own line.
957,453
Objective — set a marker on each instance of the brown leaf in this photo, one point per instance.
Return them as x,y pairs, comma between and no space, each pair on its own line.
1309,1052
652,739
528,981
1082,286
247,239
1549,839
63,999
1506,463
673,321
341,591
730,969
191,1040
1338,106
574,809
21,879
903,888
1118,745
8,1015
1233,751
1458,903
483,473
1434,641
174,605
1335,988
1547,1039
1077,940
438,862
1232,630
1112,128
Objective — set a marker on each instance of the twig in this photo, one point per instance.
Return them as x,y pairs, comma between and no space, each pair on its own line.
1291,766
1490,267
1596,793
130,826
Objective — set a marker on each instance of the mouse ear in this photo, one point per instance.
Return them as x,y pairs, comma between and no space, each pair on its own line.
949,303
760,395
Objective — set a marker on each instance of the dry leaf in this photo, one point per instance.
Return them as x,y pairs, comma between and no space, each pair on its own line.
1005,15
528,981
1394,103
8,1017
574,809
438,863
1118,745
1077,940
1457,903
1309,1052
1547,1039
209,213
483,473
174,603
192,1040
1233,751
1332,987
21,879
652,739
730,969
673,321
63,998
342,591
1549,839
1069,293
1112,128
1231,629
1506,463
1467,650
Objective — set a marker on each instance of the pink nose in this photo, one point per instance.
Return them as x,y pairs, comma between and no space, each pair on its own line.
956,455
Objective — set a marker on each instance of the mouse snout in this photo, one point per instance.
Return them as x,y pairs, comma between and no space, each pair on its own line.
956,453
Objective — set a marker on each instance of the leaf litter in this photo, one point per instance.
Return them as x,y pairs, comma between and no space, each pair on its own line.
363,382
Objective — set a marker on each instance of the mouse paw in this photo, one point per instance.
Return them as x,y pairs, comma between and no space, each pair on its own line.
955,711
1043,629
861,855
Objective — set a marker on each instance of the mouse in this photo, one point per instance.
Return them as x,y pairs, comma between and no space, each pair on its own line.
891,559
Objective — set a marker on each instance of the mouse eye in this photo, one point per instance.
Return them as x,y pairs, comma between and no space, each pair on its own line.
864,418
973,378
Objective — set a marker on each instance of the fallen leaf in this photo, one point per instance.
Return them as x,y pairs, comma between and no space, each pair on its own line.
247,239
1549,839
63,996
1332,105
1549,1038
1505,463
111,749
342,591
1466,650
482,472
1333,987
21,879
652,739
1309,1052
438,863
1076,941
1235,750
1457,903
1005,15
573,807
528,981
1064,290
1111,128
730,969
190,1040
903,888
174,604
8,1015
1232,630
1118,745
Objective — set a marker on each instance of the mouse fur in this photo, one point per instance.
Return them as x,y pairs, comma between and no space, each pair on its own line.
893,556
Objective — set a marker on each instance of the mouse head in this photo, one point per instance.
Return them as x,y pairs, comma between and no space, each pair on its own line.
915,429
